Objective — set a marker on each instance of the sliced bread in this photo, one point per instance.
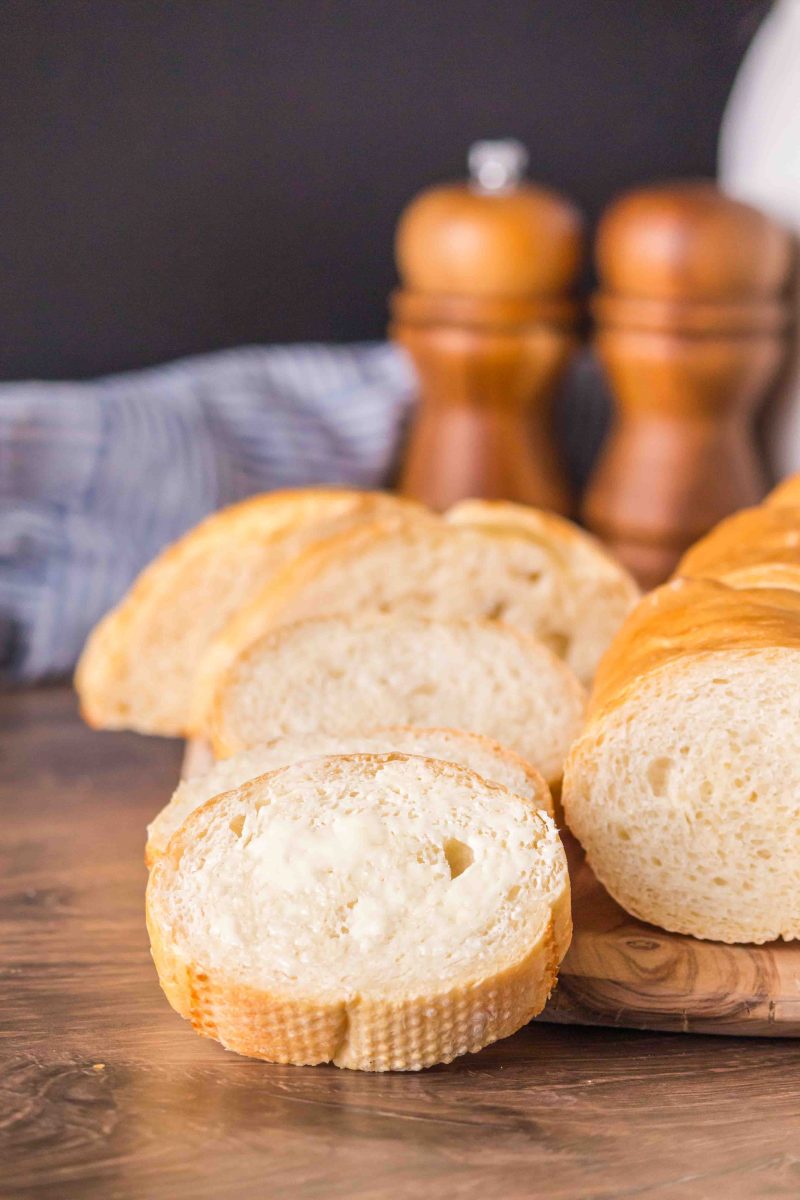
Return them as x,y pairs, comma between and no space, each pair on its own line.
351,674
485,757
137,669
501,570
378,912
596,592
684,788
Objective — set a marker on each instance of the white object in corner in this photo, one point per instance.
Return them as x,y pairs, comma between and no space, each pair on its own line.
759,162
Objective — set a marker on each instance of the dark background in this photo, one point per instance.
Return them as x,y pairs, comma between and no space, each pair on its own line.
179,176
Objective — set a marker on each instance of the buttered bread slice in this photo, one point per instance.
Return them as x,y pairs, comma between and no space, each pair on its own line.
379,912
350,674
485,757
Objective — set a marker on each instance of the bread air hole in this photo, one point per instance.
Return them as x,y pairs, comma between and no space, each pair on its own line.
658,774
459,856
557,642
237,824
497,611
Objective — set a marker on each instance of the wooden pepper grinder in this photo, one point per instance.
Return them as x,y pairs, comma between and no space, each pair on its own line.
485,311
691,319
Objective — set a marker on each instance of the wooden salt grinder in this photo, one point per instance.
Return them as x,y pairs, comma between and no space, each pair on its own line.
691,329
484,311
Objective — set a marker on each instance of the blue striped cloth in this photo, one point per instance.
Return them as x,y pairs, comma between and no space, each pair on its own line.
95,478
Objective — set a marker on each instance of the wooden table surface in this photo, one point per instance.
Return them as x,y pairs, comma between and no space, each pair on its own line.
105,1093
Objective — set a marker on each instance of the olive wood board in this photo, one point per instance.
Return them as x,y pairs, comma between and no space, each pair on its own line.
621,972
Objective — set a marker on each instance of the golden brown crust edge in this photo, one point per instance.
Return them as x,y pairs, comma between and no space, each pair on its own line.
103,662
368,1034
755,547
506,514
686,618
787,492
281,601
270,608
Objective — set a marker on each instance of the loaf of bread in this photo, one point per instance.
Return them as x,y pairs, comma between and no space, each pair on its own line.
137,669
347,675
381,912
684,788
485,757
509,564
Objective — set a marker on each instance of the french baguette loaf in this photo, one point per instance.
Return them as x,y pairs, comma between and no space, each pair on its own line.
757,547
347,675
138,666
540,577
684,788
378,912
787,493
485,757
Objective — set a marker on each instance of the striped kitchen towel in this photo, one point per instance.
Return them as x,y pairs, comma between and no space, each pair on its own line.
95,478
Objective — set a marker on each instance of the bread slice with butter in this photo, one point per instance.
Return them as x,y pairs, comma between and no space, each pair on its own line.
381,912
756,547
137,669
485,757
350,674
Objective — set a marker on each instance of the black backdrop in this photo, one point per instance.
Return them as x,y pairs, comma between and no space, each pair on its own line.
188,174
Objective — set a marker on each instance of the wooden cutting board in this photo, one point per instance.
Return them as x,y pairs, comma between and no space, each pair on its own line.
621,972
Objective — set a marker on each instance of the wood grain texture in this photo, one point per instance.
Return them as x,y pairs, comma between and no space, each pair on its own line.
106,1095
620,971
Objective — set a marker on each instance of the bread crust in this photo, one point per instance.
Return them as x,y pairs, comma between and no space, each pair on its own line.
599,589
690,617
757,547
559,534
385,1029
109,699
786,493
